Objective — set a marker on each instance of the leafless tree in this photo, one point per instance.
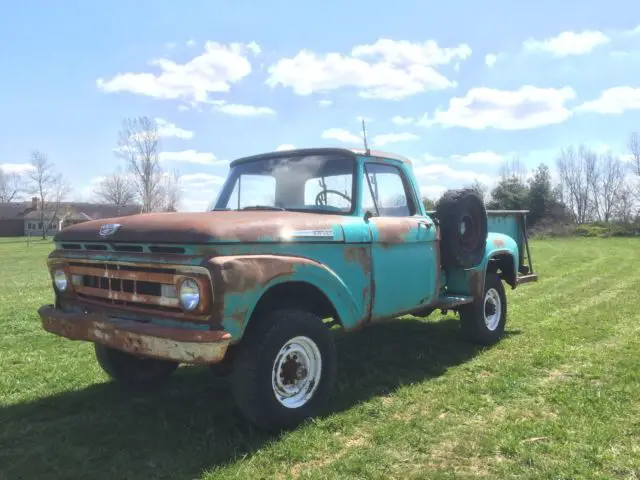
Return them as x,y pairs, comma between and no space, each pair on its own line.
116,189
139,145
169,193
626,208
514,168
10,186
634,149
577,172
49,186
608,183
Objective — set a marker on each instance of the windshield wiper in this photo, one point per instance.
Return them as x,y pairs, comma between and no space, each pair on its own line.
264,207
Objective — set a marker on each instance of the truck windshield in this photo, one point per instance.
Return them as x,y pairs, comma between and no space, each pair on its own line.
314,183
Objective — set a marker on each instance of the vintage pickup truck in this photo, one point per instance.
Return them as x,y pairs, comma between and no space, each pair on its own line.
295,243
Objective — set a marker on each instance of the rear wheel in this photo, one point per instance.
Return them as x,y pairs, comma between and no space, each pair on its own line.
284,370
484,320
131,370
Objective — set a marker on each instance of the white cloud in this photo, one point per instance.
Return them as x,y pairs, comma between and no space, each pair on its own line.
341,135
214,70
254,47
480,158
325,103
203,180
436,172
387,69
400,120
285,146
490,59
432,191
240,110
613,101
168,129
191,43
387,138
183,108
18,168
190,156
568,43
527,107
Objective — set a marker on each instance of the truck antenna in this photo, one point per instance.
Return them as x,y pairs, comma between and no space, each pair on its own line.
364,137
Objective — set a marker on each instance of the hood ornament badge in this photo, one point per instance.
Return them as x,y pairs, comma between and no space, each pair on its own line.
108,229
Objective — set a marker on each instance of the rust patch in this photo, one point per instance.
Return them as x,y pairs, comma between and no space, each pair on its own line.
239,316
393,230
476,284
202,227
183,345
359,255
498,242
244,273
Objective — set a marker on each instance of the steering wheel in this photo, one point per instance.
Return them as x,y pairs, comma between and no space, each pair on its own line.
324,192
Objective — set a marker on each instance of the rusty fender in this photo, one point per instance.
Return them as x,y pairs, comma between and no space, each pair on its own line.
239,281
166,343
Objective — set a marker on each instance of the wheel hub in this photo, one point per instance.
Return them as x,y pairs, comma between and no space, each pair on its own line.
296,372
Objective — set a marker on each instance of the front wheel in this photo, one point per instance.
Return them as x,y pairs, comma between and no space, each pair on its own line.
131,370
285,369
484,320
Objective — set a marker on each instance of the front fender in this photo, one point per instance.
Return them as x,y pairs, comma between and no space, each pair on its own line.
471,281
241,280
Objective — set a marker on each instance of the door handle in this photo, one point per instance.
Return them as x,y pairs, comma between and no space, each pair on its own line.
424,223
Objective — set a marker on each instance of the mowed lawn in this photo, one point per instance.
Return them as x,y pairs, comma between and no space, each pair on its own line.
559,397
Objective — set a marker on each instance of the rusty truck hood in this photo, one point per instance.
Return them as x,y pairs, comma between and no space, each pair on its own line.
211,227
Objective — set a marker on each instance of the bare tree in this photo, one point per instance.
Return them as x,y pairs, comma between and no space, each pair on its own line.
514,168
139,145
608,180
634,149
577,172
49,186
626,208
10,186
169,193
116,189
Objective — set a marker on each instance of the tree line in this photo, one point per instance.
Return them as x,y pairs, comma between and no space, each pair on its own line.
592,188
142,181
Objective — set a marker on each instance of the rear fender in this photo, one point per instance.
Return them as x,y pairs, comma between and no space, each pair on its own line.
471,281
241,280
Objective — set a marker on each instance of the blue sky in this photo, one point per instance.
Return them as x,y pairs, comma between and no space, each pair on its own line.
468,83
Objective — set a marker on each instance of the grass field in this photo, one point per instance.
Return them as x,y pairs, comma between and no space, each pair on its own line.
559,397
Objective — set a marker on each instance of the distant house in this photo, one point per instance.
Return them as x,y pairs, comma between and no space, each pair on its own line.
25,218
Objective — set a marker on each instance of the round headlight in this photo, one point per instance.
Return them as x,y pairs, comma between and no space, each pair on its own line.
60,280
189,294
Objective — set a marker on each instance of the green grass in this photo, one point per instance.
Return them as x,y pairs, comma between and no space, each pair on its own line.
559,397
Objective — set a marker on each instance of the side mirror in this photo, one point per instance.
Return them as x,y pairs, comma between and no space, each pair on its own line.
367,216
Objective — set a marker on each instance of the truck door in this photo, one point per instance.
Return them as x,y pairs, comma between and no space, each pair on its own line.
403,249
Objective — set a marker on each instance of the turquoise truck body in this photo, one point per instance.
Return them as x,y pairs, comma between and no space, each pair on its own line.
354,268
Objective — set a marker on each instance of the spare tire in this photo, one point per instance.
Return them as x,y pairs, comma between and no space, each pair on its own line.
463,228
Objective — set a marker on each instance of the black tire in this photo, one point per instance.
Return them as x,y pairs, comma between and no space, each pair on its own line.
133,371
458,248
473,316
255,365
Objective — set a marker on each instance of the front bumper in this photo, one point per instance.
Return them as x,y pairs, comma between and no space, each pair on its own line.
147,340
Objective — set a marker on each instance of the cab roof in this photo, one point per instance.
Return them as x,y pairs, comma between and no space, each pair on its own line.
320,151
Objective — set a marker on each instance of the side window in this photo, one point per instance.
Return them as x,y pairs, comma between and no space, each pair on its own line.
384,192
252,190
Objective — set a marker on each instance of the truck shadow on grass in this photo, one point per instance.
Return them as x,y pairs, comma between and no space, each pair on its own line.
191,425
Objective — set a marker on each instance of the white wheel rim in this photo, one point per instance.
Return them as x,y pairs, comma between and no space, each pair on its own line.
492,309
296,372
